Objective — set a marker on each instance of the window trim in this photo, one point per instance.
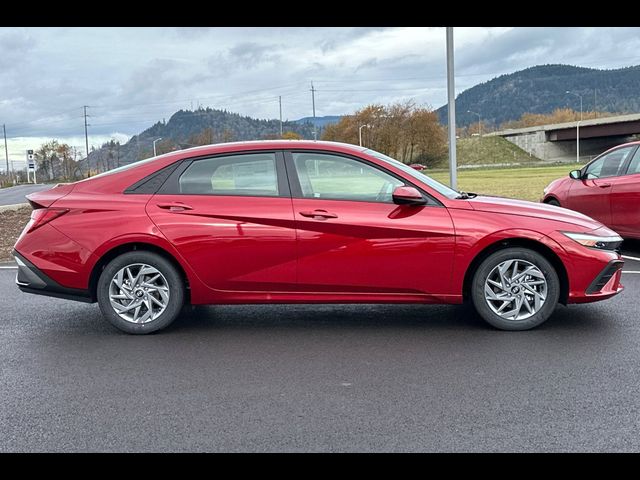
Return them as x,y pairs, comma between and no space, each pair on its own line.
296,189
172,186
624,167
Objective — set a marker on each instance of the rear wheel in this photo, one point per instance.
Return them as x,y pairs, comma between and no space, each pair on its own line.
553,201
515,289
140,292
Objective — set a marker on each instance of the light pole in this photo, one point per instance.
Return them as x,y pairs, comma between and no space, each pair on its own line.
451,104
154,145
360,132
479,124
577,127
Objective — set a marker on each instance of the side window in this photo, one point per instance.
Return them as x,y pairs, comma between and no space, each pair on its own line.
609,165
246,174
634,166
339,178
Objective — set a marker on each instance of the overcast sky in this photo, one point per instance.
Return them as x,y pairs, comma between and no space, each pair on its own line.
133,77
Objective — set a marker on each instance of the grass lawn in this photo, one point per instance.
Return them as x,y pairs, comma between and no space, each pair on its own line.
523,183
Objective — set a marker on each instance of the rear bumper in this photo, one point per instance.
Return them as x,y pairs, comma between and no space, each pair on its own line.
605,285
30,279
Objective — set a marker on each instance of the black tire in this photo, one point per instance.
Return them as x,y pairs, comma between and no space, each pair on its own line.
512,253
174,282
553,201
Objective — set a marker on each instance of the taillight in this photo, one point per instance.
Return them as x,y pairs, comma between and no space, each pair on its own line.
42,216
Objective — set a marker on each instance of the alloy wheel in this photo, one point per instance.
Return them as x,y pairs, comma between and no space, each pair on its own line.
139,293
515,289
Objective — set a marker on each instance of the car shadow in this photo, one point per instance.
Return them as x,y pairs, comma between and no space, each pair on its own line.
371,316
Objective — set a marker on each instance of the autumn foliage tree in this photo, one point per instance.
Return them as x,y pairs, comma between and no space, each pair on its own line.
401,130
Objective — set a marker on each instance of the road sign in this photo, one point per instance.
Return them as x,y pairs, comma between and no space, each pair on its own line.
31,165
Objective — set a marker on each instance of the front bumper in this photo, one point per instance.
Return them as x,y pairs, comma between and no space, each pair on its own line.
30,279
605,285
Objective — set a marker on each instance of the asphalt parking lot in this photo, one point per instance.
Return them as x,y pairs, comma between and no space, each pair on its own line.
319,378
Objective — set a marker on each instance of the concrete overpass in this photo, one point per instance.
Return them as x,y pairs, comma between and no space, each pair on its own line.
557,142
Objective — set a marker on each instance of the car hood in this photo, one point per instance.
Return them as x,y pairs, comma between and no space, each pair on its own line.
510,206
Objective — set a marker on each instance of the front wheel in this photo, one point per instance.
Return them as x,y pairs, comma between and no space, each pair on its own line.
553,201
515,289
140,292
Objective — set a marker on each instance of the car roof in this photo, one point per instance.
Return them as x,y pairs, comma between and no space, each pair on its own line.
269,144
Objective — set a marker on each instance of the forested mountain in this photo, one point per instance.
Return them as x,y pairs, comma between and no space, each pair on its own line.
188,128
543,88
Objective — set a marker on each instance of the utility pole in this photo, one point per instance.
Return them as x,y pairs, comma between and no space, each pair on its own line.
86,140
313,102
452,110
6,149
280,102
595,102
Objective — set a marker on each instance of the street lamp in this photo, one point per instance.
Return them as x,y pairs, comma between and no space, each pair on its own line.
479,124
154,145
577,126
360,132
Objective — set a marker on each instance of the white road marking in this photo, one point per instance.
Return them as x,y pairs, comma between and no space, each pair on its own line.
631,258
9,268
630,271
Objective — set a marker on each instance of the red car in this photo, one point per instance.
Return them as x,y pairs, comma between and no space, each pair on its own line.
304,222
418,166
607,189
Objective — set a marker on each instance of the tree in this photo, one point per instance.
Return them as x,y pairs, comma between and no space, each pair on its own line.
401,130
289,135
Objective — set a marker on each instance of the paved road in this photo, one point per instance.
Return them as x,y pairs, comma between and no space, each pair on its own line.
319,378
13,195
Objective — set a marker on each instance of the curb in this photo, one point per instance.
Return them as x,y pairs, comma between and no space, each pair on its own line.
15,206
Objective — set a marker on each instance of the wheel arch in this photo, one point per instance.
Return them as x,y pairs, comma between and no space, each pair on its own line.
534,245
550,197
118,250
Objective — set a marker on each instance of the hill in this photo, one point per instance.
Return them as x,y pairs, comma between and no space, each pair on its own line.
184,125
320,121
542,89
489,151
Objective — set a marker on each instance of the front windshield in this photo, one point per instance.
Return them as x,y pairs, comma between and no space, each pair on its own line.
437,186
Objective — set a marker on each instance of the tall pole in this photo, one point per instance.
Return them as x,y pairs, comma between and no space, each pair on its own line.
154,145
360,132
479,122
313,102
577,126
280,103
452,110
578,134
86,139
595,102
6,149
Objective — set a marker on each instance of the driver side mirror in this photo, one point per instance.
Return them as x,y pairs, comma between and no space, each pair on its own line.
408,196
575,174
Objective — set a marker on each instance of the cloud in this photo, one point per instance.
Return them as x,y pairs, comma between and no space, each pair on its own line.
133,77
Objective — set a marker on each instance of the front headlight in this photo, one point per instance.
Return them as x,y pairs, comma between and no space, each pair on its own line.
595,241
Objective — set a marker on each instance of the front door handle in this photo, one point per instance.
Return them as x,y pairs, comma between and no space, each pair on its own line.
175,207
318,214
604,185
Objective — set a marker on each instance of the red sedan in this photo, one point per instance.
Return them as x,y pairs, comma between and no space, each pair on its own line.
607,189
304,222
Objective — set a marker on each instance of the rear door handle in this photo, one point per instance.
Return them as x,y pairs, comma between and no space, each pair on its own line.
604,185
175,207
318,213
